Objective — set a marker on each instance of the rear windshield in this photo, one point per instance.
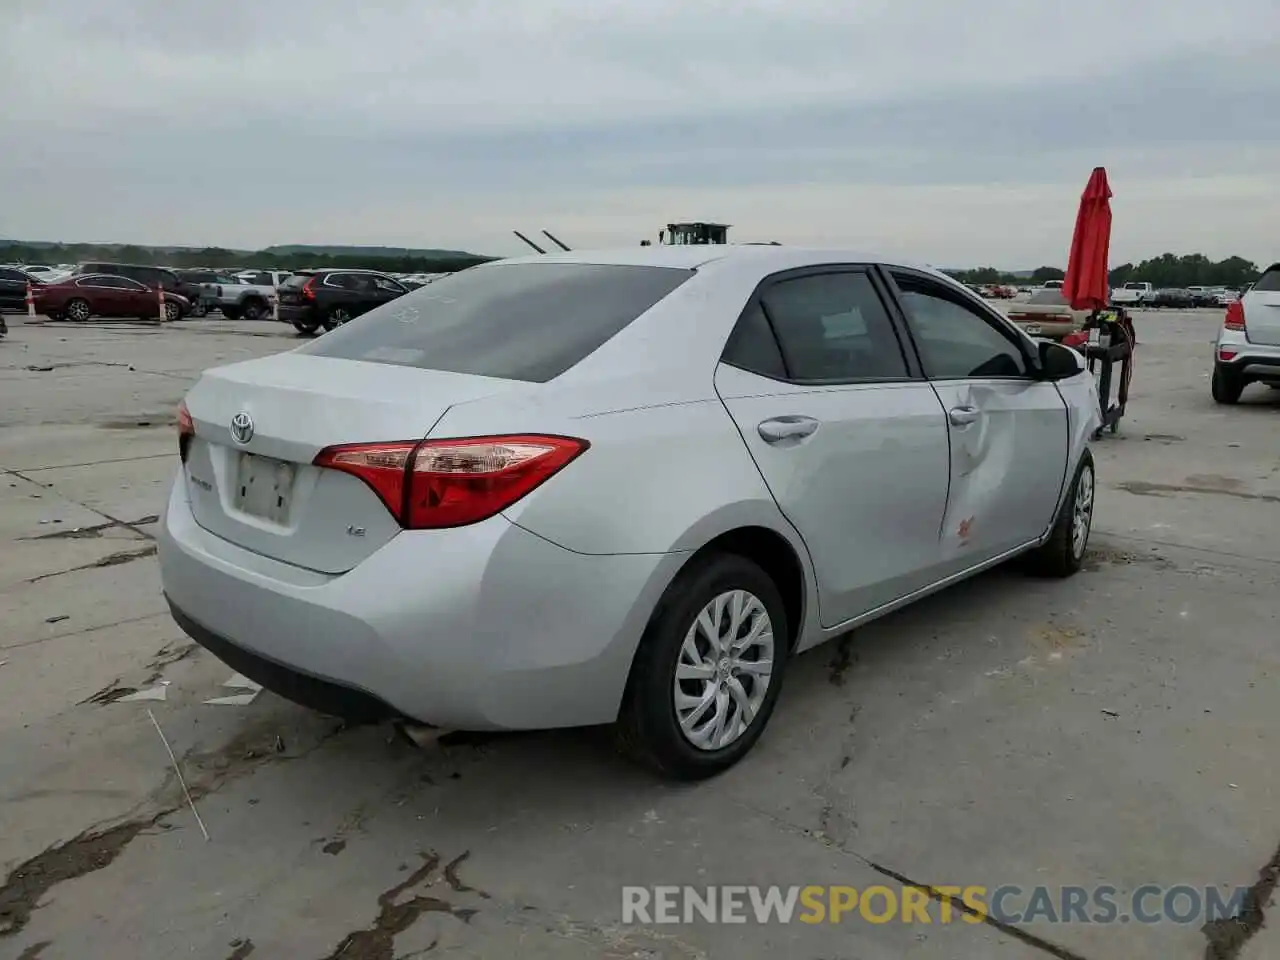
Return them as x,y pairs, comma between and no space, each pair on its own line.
1269,282
517,321
1135,286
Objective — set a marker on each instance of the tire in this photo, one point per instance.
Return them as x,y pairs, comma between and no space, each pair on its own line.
252,309
336,317
308,328
78,310
230,313
649,729
200,311
1063,553
172,311
1226,385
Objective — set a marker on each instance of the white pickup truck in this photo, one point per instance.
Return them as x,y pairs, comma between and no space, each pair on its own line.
1133,294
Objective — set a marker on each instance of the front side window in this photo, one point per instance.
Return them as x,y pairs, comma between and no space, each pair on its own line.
956,341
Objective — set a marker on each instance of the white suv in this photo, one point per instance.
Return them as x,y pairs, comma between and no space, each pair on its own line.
1248,346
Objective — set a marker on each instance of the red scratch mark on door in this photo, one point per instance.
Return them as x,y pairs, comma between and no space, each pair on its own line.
965,526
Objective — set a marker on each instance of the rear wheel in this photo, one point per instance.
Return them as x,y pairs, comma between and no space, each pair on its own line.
707,674
200,310
253,310
336,317
172,311
1063,553
307,328
1226,385
78,310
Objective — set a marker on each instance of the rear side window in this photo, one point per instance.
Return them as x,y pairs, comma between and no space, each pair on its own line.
834,327
518,321
1269,282
753,347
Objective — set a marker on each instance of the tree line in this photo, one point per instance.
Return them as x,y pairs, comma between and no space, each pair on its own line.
1168,270
220,258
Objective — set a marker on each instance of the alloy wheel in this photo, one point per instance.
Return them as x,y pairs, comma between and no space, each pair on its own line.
78,310
724,670
1082,512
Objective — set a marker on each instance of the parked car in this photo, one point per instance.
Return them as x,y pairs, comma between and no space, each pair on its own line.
1248,345
13,287
1048,314
241,300
1173,298
622,487
1136,293
201,288
150,276
329,298
106,295
1225,298
264,278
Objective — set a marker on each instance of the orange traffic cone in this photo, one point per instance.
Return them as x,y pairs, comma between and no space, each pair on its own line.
160,300
31,302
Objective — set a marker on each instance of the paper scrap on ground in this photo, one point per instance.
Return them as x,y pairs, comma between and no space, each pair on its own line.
239,700
160,692
241,682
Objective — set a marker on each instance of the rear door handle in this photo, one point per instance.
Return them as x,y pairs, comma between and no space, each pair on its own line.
962,416
777,429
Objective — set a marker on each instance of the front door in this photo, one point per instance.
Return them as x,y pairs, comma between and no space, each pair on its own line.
851,444
1010,435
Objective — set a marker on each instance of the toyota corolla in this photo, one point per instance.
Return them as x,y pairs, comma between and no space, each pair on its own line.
623,487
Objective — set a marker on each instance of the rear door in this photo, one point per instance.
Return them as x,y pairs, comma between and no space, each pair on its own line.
1009,431
1262,308
849,437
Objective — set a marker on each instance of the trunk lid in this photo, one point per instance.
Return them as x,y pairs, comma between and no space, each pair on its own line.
1262,309
253,482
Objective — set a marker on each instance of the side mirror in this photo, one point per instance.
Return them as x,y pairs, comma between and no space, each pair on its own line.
1058,362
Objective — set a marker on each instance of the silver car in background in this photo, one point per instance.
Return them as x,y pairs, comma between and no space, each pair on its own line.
621,487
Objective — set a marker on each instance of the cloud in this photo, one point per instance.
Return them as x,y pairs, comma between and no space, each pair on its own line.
888,124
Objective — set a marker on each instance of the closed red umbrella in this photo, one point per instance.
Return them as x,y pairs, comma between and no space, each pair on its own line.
1086,286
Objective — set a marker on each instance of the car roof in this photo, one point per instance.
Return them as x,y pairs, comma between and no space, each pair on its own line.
692,256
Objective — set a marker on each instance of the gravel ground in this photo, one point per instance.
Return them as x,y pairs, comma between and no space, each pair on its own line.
1118,728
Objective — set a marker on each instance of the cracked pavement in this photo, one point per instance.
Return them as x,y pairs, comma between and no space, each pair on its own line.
1117,728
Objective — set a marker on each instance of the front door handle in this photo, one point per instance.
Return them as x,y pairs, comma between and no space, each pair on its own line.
777,429
962,416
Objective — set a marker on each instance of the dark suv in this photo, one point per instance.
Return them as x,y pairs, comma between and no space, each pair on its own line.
312,299
147,275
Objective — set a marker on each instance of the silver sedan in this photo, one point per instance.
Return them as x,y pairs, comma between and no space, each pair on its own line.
621,487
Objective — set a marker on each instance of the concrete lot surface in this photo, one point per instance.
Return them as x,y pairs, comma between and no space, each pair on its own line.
1118,728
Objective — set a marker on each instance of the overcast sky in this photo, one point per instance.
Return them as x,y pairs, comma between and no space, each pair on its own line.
957,133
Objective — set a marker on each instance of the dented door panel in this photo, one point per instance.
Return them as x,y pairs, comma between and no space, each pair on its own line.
1009,450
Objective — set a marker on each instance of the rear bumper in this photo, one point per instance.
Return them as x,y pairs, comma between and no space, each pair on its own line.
482,628
1252,361
297,313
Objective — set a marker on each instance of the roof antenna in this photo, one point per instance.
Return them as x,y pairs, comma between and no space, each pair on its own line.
547,234
528,241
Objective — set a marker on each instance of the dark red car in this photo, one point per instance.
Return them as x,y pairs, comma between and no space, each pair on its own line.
104,295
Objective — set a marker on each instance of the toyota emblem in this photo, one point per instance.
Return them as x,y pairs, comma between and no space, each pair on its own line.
242,427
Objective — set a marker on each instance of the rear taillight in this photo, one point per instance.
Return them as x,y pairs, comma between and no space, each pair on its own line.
186,430
308,291
429,484
1235,316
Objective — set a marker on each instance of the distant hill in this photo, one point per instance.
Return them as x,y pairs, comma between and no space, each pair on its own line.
285,256
280,249
377,253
